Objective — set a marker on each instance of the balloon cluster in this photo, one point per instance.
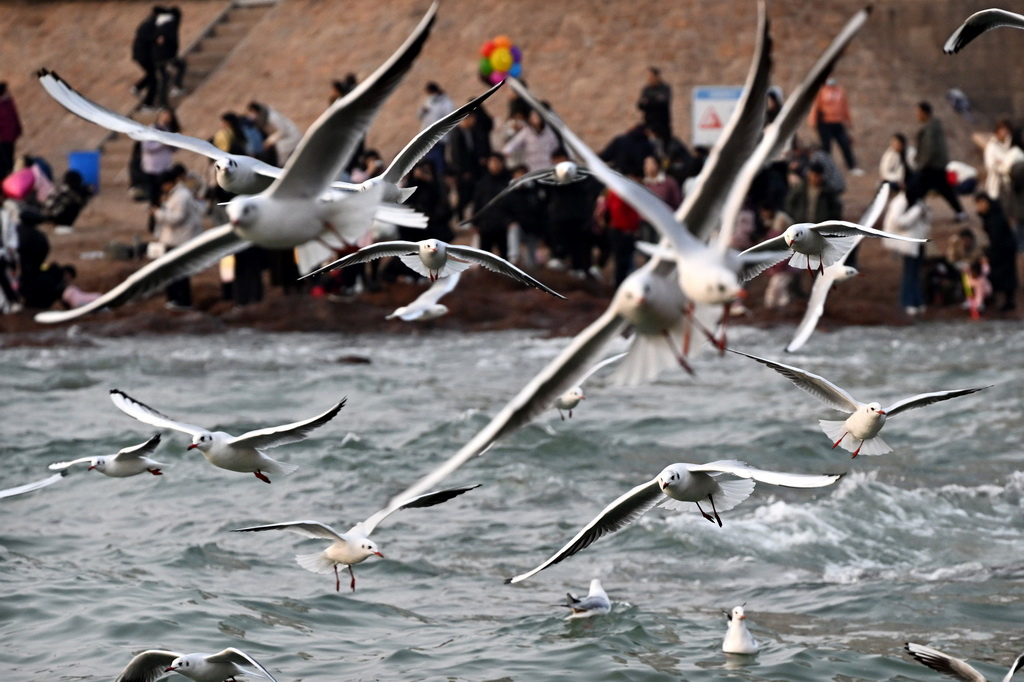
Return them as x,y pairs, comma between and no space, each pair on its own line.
500,59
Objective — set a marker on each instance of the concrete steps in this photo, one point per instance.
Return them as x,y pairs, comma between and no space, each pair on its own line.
203,57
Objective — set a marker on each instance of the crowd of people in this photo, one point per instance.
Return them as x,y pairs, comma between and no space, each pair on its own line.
578,226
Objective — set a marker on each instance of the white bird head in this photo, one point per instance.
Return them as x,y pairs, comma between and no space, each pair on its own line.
566,172
99,463
670,476
736,614
224,168
367,548
635,291
795,233
711,284
846,272
201,442
596,587
184,665
576,394
242,211
430,247
874,408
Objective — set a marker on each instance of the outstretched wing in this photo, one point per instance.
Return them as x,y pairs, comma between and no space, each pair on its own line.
778,134
369,253
272,436
332,139
821,388
36,485
843,228
187,259
497,264
307,529
420,502
744,470
601,365
927,399
943,663
147,415
81,106
148,666
978,23
56,466
616,516
429,136
136,451
240,658
538,175
429,298
534,399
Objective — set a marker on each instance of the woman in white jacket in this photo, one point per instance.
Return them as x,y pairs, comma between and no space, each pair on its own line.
908,216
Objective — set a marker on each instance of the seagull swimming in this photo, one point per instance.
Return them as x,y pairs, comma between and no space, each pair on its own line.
675,488
859,433
571,398
596,603
355,546
978,23
834,274
129,461
426,306
435,259
954,667
738,639
151,665
294,209
234,453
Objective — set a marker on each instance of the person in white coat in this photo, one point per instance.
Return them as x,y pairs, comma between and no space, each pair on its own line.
908,216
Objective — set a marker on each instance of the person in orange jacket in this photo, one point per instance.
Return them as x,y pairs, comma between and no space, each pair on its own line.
830,116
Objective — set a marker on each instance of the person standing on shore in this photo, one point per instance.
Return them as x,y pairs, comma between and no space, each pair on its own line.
830,116
10,130
932,157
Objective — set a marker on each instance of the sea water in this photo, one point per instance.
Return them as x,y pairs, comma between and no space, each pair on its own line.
924,544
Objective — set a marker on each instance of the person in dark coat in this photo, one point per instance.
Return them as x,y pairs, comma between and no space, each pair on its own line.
468,150
571,219
1001,251
144,54
656,103
932,157
626,152
493,224
10,130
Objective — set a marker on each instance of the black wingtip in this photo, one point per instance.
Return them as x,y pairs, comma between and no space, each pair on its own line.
508,581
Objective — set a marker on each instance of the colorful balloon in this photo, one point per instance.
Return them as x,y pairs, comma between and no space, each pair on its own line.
502,41
501,59
497,76
485,67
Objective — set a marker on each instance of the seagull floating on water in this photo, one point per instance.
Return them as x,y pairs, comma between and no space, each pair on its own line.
674,488
129,461
861,428
151,665
596,603
738,639
234,453
354,546
978,23
954,667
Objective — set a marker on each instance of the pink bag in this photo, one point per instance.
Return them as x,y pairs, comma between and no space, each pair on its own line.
19,184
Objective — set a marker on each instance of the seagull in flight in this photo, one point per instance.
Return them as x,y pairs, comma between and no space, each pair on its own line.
676,487
859,433
571,398
293,210
954,667
435,259
978,23
354,546
129,461
426,305
150,666
234,453
562,173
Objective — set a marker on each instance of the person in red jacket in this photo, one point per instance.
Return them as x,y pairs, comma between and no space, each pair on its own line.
830,115
10,131
623,229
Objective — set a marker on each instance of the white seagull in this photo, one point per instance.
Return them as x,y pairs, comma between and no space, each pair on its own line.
954,667
129,461
435,259
294,209
571,398
738,639
562,173
354,546
151,665
834,274
674,488
426,306
859,433
242,174
29,487
234,453
596,603
827,242
978,23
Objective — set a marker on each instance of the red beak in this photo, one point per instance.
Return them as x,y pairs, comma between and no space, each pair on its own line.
192,446
379,554
171,669
91,467
881,412
742,293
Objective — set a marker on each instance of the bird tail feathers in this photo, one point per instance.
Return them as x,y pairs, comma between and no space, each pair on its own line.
280,468
648,356
836,430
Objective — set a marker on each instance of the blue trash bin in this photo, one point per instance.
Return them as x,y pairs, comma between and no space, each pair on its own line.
87,163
